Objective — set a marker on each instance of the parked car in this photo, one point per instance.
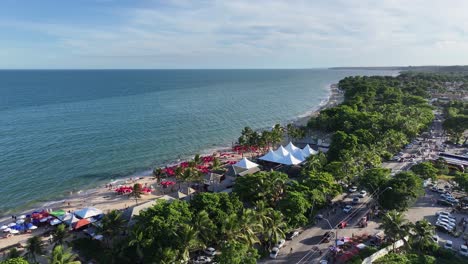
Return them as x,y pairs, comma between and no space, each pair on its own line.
274,252
362,194
463,250
280,243
447,223
446,218
444,213
355,200
352,189
440,190
448,244
434,189
444,202
443,227
452,200
291,235
347,209
210,251
202,260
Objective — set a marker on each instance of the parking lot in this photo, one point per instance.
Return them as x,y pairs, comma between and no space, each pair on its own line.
426,207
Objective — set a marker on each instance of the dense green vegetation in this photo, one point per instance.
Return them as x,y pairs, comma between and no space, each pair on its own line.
456,121
378,117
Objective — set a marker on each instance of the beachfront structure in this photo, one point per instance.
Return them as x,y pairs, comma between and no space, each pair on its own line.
271,156
245,164
88,212
289,155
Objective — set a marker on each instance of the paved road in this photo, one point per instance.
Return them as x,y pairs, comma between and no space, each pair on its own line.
310,238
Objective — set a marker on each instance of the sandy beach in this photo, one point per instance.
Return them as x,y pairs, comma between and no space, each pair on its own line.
106,199
335,97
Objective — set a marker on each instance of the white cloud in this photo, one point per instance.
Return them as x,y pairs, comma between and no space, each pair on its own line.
294,33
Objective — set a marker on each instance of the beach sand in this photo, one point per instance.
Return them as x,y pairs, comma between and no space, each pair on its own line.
335,98
107,199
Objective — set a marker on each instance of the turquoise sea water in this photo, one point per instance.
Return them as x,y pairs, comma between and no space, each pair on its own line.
70,130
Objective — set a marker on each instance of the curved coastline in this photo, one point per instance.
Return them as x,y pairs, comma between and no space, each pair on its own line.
88,192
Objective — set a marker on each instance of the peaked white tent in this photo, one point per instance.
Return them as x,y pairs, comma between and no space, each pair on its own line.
299,155
291,148
289,160
246,164
282,152
271,156
307,151
87,212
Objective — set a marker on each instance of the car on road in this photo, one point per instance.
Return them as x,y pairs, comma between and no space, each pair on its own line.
352,189
291,235
355,200
274,252
362,194
210,251
328,236
435,238
463,250
347,209
280,243
448,244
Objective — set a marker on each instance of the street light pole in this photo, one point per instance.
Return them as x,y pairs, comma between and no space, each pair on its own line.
331,228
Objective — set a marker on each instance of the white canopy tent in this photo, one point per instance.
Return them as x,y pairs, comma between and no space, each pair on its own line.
291,148
282,152
307,151
289,160
246,164
87,212
271,156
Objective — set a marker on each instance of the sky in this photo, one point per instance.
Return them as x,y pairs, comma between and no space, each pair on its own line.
194,34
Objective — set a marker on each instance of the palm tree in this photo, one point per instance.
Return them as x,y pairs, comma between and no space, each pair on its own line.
422,234
205,227
34,246
60,234
277,134
241,228
197,159
136,192
188,237
216,164
61,255
274,231
271,222
112,225
395,226
249,227
157,172
139,242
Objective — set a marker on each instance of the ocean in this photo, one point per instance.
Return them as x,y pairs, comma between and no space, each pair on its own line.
68,130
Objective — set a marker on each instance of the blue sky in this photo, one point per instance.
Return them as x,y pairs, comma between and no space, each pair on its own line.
231,34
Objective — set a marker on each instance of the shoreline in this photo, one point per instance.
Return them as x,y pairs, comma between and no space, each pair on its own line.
334,98
92,194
